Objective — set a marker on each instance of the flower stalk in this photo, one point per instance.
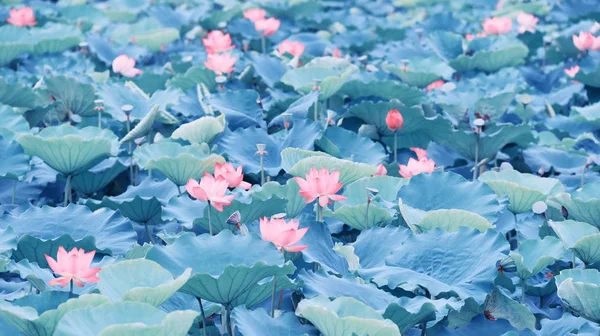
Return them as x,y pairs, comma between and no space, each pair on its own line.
261,152
202,316
67,191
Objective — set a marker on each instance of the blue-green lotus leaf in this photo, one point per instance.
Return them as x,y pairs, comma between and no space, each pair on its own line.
144,127
269,69
13,123
447,45
142,203
192,77
263,291
98,176
578,290
54,38
534,255
409,312
290,156
259,323
385,89
322,248
522,189
139,280
224,266
33,323
298,109
17,94
69,150
201,130
42,230
503,53
75,97
347,314
446,190
418,129
241,108
387,189
452,219
355,216
147,32
581,238
124,318
330,71
185,210
178,163
14,163
290,192
501,306
421,72
374,245
469,258
14,41
589,78
345,144
582,205
547,158
349,171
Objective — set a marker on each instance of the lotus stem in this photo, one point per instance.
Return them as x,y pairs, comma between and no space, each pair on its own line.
523,288
273,296
202,316
280,299
423,328
476,167
395,146
100,119
229,327
316,111
131,177
178,188
583,175
14,192
367,216
319,212
71,288
516,224
262,170
67,190
148,232
210,230
263,43
573,260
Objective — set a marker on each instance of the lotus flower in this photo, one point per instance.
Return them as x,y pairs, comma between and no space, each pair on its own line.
572,71
337,53
527,22
22,17
254,14
381,170
322,185
233,176
497,25
220,63
267,26
585,41
471,37
282,234
435,85
216,42
210,189
72,266
125,66
415,167
294,48
394,120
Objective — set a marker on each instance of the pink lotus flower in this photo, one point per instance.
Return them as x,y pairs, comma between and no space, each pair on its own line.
125,66
337,53
22,17
72,266
585,41
572,71
254,14
220,63
435,85
267,26
282,234
231,175
415,167
381,171
216,42
294,48
527,22
471,37
322,185
497,25
394,120
210,190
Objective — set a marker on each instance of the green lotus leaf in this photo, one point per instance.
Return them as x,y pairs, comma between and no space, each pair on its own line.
501,306
14,163
452,220
263,291
192,77
345,316
224,267
98,176
386,89
54,38
139,280
582,238
290,192
178,163
589,78
578,289
28,320
290,156
387,189
355,216
201,130
155,39
14,41
492,105
13,123
411,216
418,129
534,255
75,97
523,190
127,10
16,95
349,171
143,127
330,71
421,72
582,205
69,150
125,318
409,312
506,53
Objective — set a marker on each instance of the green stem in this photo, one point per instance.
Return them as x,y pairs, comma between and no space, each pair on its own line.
262,170
129,144
149,234
71,289
367,216
523,288
228,320
395,146
67,190
516,228
583,176
319,212
273,296
573,260
210,230
14,192
203,317
316,111
178,189
99,118
263,43
476,168
423,328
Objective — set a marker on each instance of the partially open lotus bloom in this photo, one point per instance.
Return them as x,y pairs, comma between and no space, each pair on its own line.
435,85
216,42
72,266
267,27
527,22
283,235
125,66
416,167
322,185
233,176
22,17
254,14
584,41
497,25
381,171
572,71
394,120
210,189
293,48
220,63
